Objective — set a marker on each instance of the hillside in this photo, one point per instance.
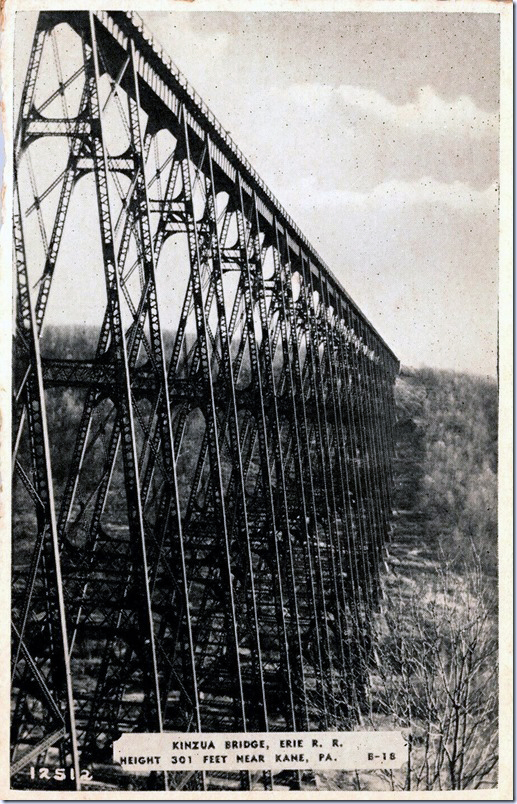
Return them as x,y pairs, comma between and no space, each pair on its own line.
446,466
434,671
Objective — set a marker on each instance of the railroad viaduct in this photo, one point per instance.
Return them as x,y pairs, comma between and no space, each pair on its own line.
202,486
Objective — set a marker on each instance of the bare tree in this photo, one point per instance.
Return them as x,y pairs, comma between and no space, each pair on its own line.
433,675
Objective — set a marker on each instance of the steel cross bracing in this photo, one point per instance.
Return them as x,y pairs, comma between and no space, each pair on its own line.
200,504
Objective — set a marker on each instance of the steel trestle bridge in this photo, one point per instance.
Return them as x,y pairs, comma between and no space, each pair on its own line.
200,504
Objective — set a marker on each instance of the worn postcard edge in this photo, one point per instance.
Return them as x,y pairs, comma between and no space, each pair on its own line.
504,791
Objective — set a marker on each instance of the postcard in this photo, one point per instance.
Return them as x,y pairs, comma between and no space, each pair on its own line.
257,372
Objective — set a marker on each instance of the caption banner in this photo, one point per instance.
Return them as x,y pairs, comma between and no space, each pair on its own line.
253,751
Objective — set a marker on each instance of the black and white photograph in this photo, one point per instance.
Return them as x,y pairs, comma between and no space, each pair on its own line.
255,503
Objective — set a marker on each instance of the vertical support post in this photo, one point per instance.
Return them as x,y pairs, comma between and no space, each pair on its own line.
317,350
123,390
46,517
276,442
263,438
211,422
304,468
149,302
233,424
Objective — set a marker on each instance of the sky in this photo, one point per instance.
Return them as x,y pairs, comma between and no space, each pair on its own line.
378,133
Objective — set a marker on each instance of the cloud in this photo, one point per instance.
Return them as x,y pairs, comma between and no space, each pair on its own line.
397,193
354,138
420,259
429,112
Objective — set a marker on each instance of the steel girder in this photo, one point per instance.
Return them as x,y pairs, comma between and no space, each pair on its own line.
206,555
